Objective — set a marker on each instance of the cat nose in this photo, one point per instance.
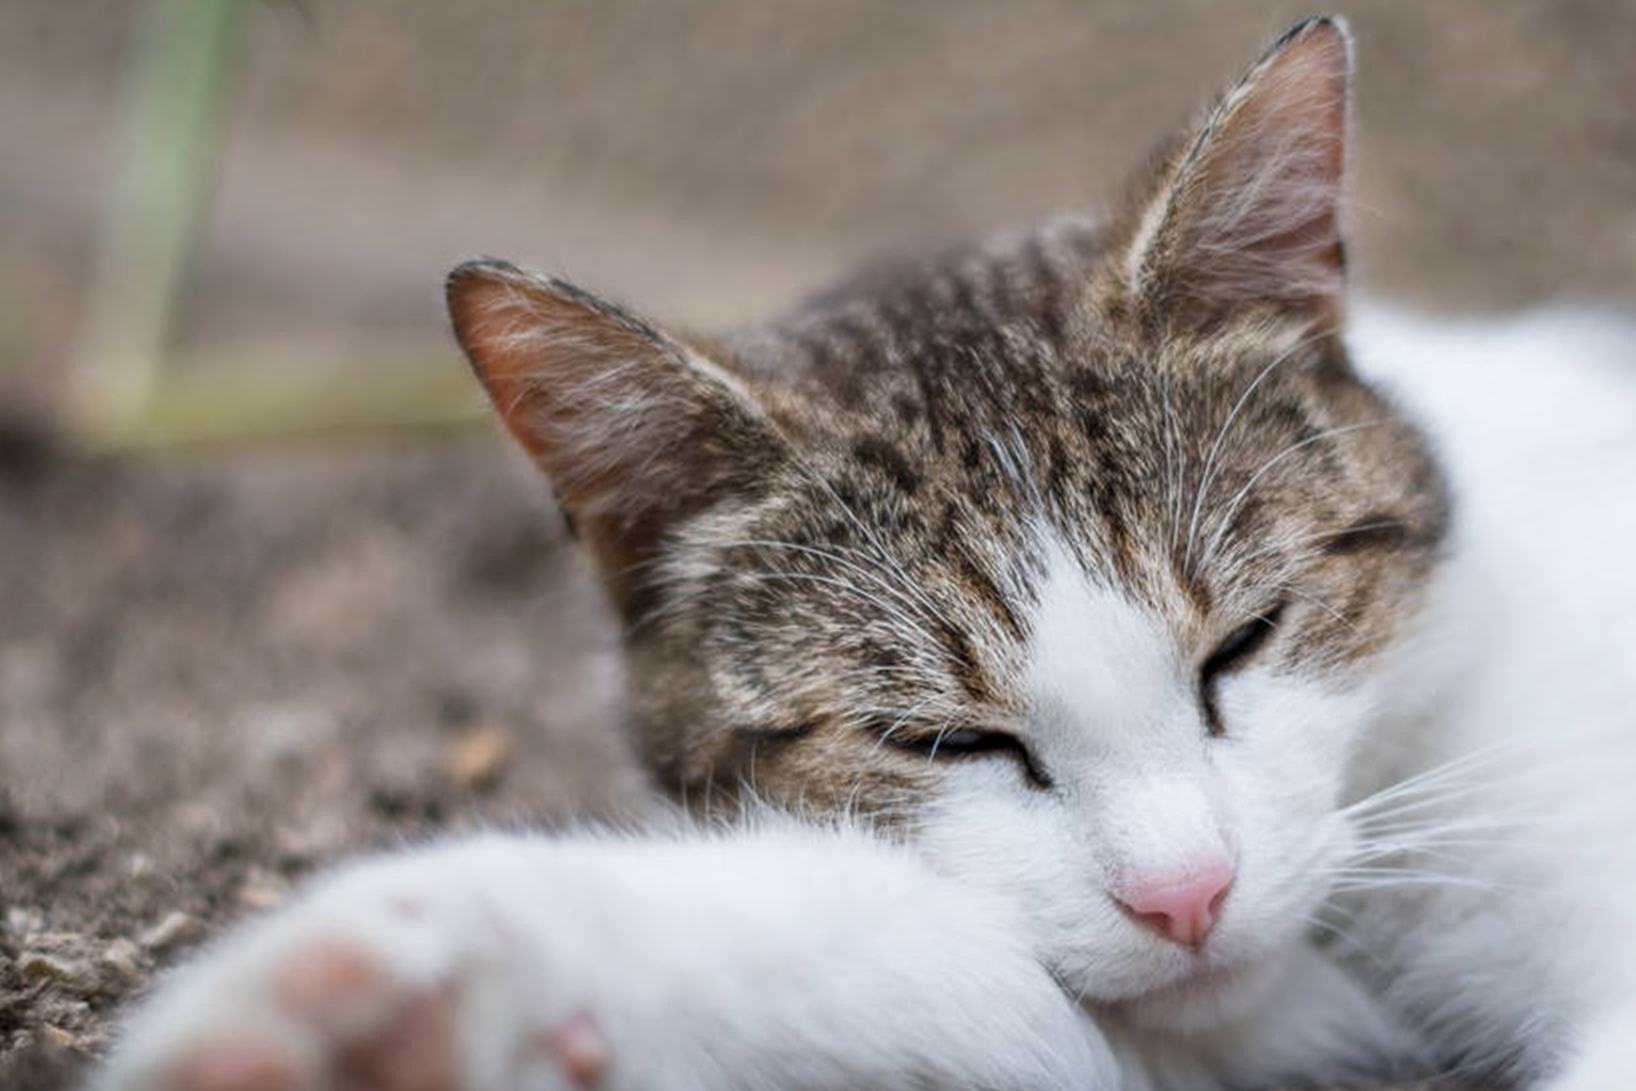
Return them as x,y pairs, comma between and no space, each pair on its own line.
1184,909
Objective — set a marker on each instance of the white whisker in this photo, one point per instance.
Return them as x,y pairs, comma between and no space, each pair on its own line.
1221,435
1231,509
882,552
831,555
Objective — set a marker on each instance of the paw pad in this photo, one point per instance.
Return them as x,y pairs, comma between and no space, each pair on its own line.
328,978
413,1052
235,1066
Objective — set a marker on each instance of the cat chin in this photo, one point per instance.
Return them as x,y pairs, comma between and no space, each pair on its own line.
1195,1002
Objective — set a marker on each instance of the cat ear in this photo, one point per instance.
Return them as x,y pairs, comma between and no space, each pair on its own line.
1250,211
635,430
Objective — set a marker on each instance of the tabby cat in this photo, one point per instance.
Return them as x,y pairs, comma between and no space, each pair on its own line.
1117,676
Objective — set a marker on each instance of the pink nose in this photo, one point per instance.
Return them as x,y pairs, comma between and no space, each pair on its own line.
1183,910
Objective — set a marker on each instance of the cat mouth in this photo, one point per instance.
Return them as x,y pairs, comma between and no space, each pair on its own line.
1183,996
1201,984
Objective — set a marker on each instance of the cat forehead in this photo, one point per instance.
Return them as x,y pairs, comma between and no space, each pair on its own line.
1018,297
1020,326
988,385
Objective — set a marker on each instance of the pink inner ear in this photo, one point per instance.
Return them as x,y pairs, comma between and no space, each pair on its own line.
493,318
492,323
563,375
1254,213
634,430
1291,140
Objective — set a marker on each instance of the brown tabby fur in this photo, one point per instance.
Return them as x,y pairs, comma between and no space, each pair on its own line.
822,532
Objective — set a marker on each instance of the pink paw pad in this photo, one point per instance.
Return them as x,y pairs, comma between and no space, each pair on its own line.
413,1052
384,1038
234,1066
328,979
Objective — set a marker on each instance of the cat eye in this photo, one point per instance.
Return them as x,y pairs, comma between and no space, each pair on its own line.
970,742
1233,652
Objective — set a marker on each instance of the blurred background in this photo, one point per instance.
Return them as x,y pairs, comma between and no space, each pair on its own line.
271,588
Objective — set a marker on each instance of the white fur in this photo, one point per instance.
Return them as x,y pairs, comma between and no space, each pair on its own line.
1140,786
1527,654
771,957
782,957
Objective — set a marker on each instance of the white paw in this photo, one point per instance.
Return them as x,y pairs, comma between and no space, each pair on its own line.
387,979
793,960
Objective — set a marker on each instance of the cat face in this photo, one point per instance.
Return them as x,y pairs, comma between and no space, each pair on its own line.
1066,554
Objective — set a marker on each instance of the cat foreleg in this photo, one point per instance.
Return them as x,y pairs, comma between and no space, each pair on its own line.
780,957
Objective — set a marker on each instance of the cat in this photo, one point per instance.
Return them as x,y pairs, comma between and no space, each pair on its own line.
1114,671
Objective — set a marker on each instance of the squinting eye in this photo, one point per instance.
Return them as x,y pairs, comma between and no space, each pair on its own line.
1233,652
969,742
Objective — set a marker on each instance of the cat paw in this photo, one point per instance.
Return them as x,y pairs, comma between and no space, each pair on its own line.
374,986
774,959
332,1015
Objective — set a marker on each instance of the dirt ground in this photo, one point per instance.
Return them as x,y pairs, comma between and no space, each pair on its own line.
221,668
218,674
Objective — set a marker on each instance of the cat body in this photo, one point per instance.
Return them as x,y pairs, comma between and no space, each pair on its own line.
1111,676
1514,696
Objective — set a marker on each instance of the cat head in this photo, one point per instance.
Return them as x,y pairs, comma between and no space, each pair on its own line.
1067,554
